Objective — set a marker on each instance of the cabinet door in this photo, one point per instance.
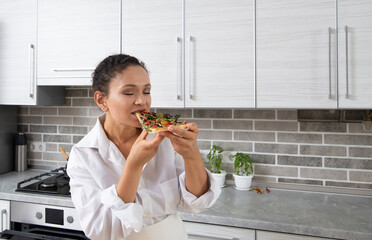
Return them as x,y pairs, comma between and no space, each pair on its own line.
5,215
264,235
152,32
73,37
17,52
296,54
355,53
202,231
219,53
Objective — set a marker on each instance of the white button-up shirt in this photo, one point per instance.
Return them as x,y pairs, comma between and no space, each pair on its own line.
95,165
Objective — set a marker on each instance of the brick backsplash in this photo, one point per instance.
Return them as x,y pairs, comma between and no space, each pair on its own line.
326,153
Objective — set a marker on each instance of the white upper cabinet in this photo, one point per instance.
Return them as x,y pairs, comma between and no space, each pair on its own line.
73,37
205,59
219,53
296,54
17,52
152,32
355,53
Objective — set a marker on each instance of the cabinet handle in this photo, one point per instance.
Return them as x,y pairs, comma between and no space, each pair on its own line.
347,61
179,67
3,212
72,69
191,69
211,237
31,66
330,63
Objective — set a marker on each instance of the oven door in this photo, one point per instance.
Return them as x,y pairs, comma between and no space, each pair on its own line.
27,232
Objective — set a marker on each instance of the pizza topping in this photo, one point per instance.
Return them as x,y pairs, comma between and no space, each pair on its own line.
152,120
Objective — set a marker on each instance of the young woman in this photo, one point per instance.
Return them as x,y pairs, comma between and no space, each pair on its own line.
126,183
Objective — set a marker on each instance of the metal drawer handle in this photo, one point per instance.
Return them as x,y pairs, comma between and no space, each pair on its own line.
3,212
330,62
347,61
212,237
31,66
179,67
191,69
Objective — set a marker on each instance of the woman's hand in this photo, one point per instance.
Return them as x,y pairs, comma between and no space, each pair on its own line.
144,150
184,141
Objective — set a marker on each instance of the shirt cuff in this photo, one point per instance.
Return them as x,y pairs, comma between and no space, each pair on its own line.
206,200
130,214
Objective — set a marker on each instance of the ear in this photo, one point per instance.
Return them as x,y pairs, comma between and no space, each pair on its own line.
100,99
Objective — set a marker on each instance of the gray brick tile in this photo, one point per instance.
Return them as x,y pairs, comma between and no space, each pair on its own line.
276,148
255,136
43,128
204,145
323,127
360,127
317,173
287,114
83,102
322,150
72,130
53,156
264,179
276,126
300,137
300,181
73,111
58,120
43,111
276,171
29,119
57,138
84,121
23,110
212,113
361,176
235,146
34,137
95,112
262,158
348,139
79,92
318,115
348,163
215,135
254,114
360,152
233,124
22,128
300,161
202,124
348,185
76,139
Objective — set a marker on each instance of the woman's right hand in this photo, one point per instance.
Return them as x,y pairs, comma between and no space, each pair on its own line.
144,150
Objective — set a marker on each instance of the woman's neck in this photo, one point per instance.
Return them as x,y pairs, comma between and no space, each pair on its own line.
118,133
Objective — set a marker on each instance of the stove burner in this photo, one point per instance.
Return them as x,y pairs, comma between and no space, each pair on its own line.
54,182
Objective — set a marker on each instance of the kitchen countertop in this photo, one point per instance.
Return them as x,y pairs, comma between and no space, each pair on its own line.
317,214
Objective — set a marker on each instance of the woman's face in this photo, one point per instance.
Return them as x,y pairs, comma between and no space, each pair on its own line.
129,92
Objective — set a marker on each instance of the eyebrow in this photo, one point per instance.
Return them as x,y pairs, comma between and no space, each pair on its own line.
133,85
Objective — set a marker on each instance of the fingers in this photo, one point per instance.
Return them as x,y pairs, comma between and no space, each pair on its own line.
143,135
190,134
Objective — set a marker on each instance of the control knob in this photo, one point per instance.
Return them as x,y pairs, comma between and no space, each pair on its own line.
70,219
39,215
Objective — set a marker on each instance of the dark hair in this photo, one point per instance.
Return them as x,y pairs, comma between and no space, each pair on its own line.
109,67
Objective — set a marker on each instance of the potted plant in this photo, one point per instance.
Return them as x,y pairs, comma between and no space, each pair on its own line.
243,171
215,159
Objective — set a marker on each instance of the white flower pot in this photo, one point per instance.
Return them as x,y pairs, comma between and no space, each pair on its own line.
243,182
220,178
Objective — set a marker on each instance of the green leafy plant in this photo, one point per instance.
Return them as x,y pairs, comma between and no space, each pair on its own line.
243,165
215,159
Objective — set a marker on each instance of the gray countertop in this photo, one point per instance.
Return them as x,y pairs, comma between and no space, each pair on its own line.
317,214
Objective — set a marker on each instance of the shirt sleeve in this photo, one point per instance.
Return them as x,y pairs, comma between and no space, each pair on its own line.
101,212
189,201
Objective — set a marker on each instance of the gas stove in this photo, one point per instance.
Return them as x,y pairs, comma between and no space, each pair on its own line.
55,182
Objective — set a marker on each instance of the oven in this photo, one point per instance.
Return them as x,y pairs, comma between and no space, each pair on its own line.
42,221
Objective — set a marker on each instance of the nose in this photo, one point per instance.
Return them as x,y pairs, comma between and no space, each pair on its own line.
140,100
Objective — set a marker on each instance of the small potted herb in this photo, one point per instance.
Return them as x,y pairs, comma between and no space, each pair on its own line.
243,171
215,159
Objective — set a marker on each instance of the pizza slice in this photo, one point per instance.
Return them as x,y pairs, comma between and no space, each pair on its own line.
154,123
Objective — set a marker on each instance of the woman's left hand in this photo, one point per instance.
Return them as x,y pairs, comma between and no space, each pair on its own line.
184,142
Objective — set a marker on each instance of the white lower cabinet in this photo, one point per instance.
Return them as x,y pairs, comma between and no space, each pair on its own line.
5,215
202,231
265,235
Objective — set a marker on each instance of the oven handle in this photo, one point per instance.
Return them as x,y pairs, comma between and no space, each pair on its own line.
29,235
